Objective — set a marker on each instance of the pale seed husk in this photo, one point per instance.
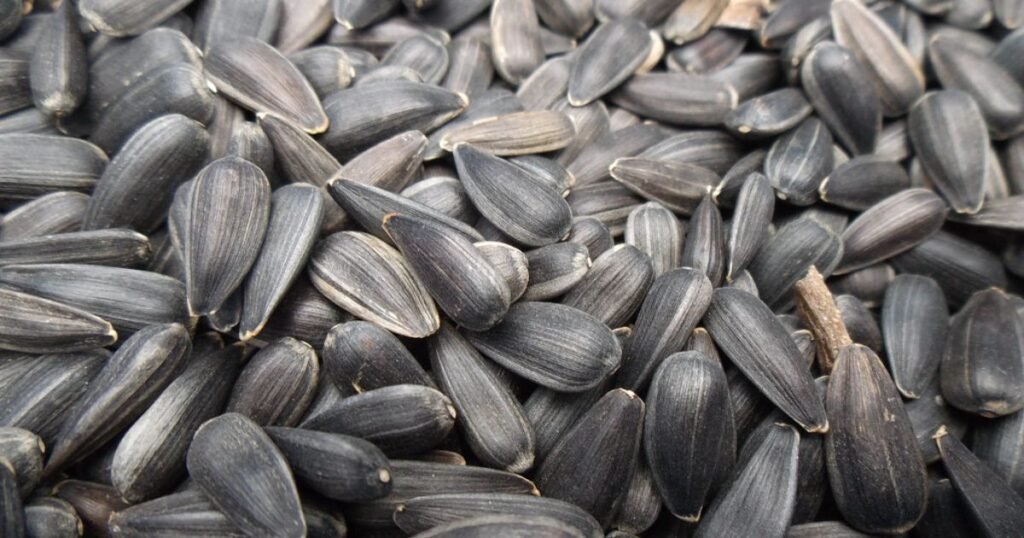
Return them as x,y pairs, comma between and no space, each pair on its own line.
337,466
914,324
516,133
841,91
606,59
679,186
57,72
656,231
515,39
746,331
129,382
555,346
871,447
748,229
555,269
245,476
277,385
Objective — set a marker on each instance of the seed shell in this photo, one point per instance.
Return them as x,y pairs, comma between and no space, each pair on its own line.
748,229
768,115
607,58
677,98
57,71
515,39
361,356
327,69
914,322
32,165
679,186
655,231
277,385
421,513
555,269
23,450
614,286
995,443
120,18
337,466
798,162
787,256
35,325
705,241
863,181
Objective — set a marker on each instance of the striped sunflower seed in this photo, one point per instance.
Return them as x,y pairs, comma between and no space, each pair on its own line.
995,443
590,233
51,517
677,98
421,513
516,133
425,55
328,69
58,71
615,286
355,14
23,450
13,521
277,384
768,115
715,50
914,322
787,256
606,59
218,21
510,262
444,194
33,165
32,324
361,356
840,89
121,18
515,39
679,186
656,231
692,20
705,242
798,162
863,181
336,466
748,229
555,269
470,69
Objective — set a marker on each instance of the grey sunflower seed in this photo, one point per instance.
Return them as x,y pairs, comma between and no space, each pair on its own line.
35,325
528,211
840,89
188,511
510,263
51,517
893,142
677,442
361,356
11,13
33,165
377,39
692,20
671,310
400,419
970,15
24,451
361,13
799,160
705,244
620,118
516,133
26,120
946,513
232,67
552,413
895,74
303,23
295,215
12,515
607,201
549,170
712,149
769,473
869,426
868,284
996,93
914,324
555,346
504,525
228,213
959,266
770,360
785,258
489,105
656,231
58,72
591,464
995,443
750,75
494,423
640,506
788,20
131,380
421,513
614,287
768,115
43,390
245,475
1000,214
592,164
680,186
651,13
120,18
607,58
150,458
591,121
136,188
470,71
992,504
119,248
1008,13
249,142
863,181
728,189
444,194
546,85
426,56
1007,55
823,529
515,39
464,285
555,269
277,385
92,501
982,369
328,69
178,88
590,233
859,322
570,17
677,98
219,21
748,229
337,466
358,120
701,341
304,314
716,49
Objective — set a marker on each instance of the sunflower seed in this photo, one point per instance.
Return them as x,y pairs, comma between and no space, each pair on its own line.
328,69
550,170
785,258
470,71
788,19
799,160
515,39
592,164
555,269
188,511
714,150
840,89
421,513
677,98
655,231
150,457
946,513
11,13
12,522
728,189
26,120
35,325
302,23
277,385
949,137
57,71
426,56
555,346
121,18
770,473
680,186
399,419
868,284
131,380
770,360
823,529
705,244
614,287
863,181
241,471
590,233
692,20
914,321
546,85
351,347
23,450
517,133
337,466
649,12
895,74
590,121
769,114
510,263
93,503
32,165
859,322
748,229
178,88
994,506
377,39
444,194
607,58
869,426
715,50
995,443
119,248
51,517
361,13
984,335
249,142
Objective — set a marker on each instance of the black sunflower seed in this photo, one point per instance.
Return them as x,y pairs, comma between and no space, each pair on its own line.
277,385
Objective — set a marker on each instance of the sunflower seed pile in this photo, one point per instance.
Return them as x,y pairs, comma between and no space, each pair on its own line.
523,268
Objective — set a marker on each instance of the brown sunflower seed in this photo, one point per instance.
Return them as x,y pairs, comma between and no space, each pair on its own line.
515,39
841,91
607,58
590,233
232,65
245,475
677,98
553,345
464,285
798,162
32,165
691,20
328,69
23,450
705,244
863,181
768,115
228,214
277,385
785,258
993,506
517,133
150,457
871,441
656,231
120,18
555,269
914,324
58,71
361,356
769,473
748,229
893,71
614,287
131,380
770,360
337,466
679,186
959,266
399,419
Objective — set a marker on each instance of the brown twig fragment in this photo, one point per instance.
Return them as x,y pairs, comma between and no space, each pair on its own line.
818,309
